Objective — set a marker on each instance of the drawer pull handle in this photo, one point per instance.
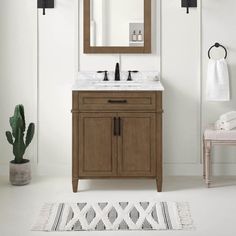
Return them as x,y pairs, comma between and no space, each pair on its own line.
119,126
117,101
115,126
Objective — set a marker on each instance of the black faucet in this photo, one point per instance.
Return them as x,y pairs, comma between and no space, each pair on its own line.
117,72
105,74
130,72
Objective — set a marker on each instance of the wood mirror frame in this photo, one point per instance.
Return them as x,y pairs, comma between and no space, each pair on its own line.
109,49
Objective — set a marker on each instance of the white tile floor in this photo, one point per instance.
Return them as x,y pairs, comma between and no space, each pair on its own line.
213,210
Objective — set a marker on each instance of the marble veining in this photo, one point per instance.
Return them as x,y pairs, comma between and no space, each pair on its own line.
142,81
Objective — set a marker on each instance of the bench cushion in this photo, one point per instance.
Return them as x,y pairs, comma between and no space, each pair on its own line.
220,135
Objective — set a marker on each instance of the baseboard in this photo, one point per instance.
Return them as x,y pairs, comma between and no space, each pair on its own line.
196,169
169,169
53,170
39,169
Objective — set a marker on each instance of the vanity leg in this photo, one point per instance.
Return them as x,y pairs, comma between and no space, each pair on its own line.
75,184
159,184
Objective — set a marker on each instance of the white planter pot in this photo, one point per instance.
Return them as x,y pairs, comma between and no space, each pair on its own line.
20,174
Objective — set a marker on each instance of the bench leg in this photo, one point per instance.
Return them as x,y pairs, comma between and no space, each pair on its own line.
208,162
204,160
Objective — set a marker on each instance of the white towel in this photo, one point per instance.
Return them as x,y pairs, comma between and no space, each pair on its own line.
218,125
228,116
225,125
217,86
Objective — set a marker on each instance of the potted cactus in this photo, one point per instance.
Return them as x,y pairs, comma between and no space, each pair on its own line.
20,171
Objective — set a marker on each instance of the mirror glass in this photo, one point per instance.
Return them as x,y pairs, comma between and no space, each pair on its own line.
116,23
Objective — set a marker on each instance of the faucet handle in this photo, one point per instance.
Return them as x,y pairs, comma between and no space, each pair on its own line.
130,72
105,74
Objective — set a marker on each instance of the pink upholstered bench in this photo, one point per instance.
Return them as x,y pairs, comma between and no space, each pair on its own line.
214,137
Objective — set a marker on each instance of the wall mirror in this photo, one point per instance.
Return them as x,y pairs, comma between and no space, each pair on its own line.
117,26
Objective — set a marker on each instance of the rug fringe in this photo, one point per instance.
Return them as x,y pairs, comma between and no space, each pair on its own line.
185,215
43,218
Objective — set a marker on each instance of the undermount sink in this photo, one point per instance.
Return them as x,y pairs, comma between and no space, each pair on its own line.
119,84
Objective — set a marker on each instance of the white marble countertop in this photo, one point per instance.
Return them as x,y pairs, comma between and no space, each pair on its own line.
143,81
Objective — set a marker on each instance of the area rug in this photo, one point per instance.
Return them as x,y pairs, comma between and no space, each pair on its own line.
101,216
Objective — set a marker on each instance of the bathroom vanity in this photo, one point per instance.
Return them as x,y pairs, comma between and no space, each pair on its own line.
117,131
117,119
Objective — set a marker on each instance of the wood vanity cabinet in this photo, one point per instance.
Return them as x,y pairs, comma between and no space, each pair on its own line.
117,135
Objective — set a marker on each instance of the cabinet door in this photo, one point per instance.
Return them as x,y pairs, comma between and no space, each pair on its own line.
136,144
97,145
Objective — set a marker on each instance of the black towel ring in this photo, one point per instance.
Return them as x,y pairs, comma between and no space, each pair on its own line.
217,45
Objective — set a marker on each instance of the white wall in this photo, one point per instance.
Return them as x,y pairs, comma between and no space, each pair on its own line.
18,68
179,48
218,26
181,78
56,37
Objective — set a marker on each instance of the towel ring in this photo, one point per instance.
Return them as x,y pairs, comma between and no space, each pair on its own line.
217,45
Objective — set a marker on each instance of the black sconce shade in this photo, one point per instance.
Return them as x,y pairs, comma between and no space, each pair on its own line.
188,4
45,4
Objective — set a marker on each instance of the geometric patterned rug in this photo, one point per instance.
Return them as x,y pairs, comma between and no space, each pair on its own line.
101,216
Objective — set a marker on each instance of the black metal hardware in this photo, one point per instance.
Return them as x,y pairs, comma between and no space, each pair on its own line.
44,7
45,4
119,126
117,101
188,4
115,126
105,74
130,72
217,45
117,72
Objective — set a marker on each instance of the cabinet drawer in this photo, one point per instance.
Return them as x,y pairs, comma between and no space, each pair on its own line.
84,101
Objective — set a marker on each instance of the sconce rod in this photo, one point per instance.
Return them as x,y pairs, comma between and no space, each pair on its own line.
187,6
44,7
44,4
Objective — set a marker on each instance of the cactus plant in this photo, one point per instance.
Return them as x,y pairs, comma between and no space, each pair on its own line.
16,137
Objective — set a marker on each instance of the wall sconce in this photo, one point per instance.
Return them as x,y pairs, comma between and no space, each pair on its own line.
45,4
188,4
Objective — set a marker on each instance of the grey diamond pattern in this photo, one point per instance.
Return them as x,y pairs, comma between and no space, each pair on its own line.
134,215
104,216
112,215
101,216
